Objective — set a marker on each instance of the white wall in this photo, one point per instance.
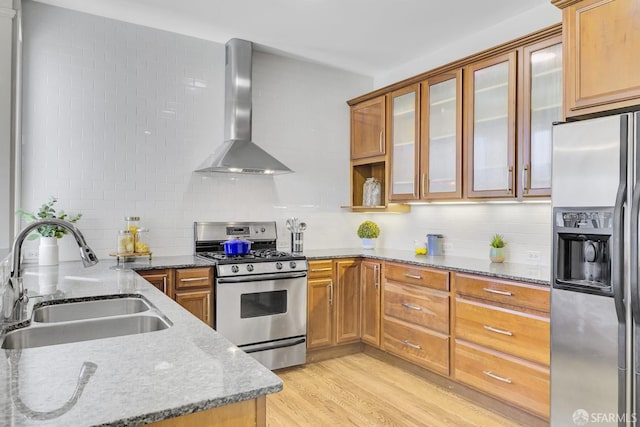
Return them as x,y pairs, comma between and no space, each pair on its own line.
117,116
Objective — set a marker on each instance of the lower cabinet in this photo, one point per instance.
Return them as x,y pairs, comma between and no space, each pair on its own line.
370,291
333,303
192,288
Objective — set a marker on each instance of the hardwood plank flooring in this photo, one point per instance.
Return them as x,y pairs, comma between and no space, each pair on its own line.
360,390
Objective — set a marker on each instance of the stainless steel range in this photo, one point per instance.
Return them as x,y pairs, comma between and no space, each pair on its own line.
261,297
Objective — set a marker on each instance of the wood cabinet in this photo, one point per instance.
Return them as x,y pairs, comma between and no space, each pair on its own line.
333,303
502,338
600,39
416,315
370,282
404,129
192,288
368,129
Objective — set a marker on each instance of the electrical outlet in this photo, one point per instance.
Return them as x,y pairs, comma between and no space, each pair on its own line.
448,248
533,256
30,254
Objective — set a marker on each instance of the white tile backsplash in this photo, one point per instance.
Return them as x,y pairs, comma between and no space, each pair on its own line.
118,116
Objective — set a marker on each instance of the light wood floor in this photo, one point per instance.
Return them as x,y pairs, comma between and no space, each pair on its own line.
360,390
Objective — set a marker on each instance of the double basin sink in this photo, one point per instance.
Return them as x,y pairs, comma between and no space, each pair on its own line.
69,322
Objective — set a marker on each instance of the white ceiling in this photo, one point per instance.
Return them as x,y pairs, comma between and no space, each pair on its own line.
365,36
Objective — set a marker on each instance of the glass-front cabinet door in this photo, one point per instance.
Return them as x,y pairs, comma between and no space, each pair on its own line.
441,150
404,127
491,127
542,105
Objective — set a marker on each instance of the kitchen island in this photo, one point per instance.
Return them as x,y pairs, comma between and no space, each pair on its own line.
129,380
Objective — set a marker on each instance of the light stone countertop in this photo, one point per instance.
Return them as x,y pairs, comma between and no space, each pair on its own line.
522,272
139,378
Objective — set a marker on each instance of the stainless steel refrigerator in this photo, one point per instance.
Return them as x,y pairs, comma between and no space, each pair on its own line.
594,295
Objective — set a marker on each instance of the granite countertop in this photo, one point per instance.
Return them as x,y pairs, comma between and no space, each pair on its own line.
139,378
522,272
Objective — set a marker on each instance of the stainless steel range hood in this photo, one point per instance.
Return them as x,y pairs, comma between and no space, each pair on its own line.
238,154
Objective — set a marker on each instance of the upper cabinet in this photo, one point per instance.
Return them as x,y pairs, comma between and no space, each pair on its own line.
490,108
600,44
541,106
404,129
441,143
368,129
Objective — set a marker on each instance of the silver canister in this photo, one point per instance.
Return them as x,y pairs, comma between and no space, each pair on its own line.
435,244
296,241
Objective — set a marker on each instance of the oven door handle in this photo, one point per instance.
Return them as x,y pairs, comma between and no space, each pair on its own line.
263,347
261,277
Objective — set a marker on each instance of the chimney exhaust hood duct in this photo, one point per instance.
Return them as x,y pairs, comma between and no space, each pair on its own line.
238,154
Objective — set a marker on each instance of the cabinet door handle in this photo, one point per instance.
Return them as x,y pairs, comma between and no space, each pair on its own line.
330,293
422,187
498,331
412,345
164,284
208,309
381,141
316,270
412,276
194,279
496,377
525,178
510,179
376,276
495,291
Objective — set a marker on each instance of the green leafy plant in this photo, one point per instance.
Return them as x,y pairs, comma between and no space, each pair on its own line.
368,230
497,241
47,211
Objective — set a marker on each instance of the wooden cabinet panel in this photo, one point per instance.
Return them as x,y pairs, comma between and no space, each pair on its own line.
368,128
197,303
161,279
509,331
370,272
437,279
421,346
601,70
418,305
189,278
320,294
513,380
502,291
322,268
347,301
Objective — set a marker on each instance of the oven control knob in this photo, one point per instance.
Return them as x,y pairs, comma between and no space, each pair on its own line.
249,267
278,266
263,229
292,264
235,268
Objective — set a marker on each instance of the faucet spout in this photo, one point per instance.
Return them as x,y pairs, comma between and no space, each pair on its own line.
87,255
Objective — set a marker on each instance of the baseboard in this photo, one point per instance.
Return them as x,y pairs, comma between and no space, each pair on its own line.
333,352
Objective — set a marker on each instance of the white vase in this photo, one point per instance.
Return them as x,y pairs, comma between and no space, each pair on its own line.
48,252
368,243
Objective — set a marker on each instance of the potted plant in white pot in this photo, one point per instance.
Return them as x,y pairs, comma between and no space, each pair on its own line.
496,253
368,231
49,234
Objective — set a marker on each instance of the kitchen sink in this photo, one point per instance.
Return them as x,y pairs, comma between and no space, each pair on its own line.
83,310
39,335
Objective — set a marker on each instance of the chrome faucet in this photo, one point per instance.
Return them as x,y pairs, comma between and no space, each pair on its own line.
87,255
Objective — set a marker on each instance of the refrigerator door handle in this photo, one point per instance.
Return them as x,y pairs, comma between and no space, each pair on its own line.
618,238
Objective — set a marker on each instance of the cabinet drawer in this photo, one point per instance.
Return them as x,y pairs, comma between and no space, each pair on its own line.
514,380
187,278
418,305
418,345
514,293
320,269
415,275
512,332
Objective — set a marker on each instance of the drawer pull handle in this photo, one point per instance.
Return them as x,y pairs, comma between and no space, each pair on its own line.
497,331
412,345
316,270
496,377
417,308
193,279
495,291
412,276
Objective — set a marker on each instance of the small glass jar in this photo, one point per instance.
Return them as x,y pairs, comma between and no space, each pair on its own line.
133,223
140,244
125,244
372,192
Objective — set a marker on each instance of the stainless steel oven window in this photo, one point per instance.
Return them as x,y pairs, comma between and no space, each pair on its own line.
260,304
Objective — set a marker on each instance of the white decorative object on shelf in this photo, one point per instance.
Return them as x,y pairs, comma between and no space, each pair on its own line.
371,192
